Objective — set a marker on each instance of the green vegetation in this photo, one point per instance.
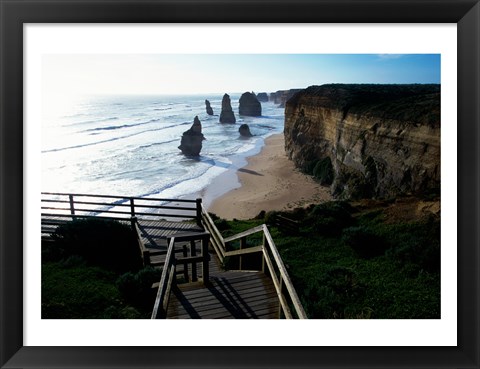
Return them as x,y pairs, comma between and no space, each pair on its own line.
105,243
354,263
91,269
346,260
321,170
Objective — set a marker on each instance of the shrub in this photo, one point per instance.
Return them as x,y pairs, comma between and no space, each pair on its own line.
73,261
221,224
323,171
136,288
329,218
101,242
214,216
52,251
271,218
119,312
128,286
76,291
334,294
418,244
364,241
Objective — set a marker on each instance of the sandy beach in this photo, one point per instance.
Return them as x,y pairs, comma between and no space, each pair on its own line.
269,182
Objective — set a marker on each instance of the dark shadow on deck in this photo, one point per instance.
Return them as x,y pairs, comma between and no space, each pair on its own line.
229,295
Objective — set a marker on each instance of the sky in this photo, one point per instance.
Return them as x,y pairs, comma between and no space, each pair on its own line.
68,75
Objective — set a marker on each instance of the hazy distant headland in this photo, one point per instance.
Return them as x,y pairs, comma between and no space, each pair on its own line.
367,140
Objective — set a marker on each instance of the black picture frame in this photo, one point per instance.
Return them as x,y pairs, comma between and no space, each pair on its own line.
15,13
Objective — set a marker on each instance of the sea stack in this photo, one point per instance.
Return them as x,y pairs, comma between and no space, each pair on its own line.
249,105
226,115
262,97
208,107
244,131
191,143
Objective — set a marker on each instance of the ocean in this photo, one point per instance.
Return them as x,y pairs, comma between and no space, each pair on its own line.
128,145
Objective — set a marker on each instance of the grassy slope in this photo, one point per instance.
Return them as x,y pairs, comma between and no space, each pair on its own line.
336,278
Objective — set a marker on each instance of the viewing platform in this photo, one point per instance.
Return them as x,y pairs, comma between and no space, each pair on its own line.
204,275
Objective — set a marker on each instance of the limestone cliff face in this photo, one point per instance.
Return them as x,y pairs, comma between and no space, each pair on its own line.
367,140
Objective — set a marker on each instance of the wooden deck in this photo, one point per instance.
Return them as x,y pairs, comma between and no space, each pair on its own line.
228,295
154,233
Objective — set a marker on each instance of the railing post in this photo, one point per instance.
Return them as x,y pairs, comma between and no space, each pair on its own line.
193,252
72,207
199,211
185,265
206,259
133,220
264,239
132,207
243,244
146,258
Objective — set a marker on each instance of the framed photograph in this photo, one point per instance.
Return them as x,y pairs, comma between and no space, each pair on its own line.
46,49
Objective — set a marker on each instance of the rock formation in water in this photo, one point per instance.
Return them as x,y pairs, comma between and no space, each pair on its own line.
208,107
244,131
367,140
262,97
249,105
226,115
191,142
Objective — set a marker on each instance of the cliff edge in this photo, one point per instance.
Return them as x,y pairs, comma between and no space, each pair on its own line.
367,140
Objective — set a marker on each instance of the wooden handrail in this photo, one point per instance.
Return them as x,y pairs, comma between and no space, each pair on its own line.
248,232
284,274
250,250
216,239
144,252
118,197
268,245
126,206
167,280
113,204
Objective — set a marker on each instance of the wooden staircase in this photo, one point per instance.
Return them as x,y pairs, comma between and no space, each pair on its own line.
192,253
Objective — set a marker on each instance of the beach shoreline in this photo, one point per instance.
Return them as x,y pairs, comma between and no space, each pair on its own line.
268,182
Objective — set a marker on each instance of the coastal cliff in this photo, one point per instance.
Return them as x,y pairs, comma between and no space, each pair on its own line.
280,97
367,140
